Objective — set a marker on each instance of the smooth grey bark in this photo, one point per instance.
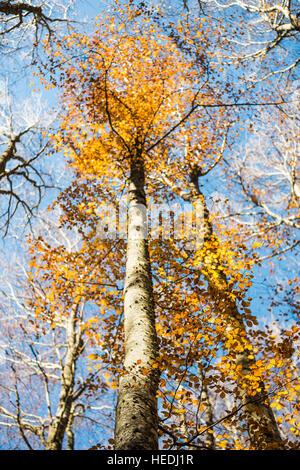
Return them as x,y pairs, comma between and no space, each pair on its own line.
208,413
183,426
183,423
136,425
62,422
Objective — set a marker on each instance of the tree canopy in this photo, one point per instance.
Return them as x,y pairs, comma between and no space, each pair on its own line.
155,300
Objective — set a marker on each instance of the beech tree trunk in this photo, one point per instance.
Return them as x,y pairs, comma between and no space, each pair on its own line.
183,425
136,425
208,413
62,421
262,428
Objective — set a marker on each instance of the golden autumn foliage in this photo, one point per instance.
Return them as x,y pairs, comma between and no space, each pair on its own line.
128,90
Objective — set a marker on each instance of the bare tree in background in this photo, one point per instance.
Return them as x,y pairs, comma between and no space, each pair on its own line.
47,393
257,28
23,180
24,118
268,173
24,23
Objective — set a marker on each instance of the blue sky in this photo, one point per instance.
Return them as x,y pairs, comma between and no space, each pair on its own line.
12,247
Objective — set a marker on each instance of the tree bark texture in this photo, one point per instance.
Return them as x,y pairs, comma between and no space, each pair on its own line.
208,413
136,415
63,417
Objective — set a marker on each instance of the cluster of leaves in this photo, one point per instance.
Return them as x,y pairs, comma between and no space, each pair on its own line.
140,87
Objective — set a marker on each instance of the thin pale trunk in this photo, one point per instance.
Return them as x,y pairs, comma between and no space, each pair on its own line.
183,425
69,431
262,427
208,413
136,425
59,426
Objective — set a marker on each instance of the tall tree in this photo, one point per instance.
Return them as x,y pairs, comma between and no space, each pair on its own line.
132,110
261,423
127,122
